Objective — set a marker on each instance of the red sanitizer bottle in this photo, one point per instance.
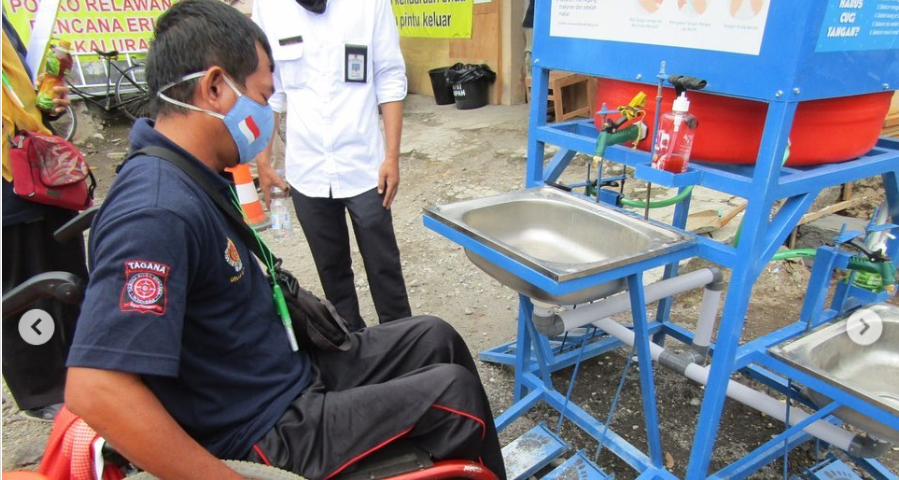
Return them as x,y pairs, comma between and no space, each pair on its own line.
675,137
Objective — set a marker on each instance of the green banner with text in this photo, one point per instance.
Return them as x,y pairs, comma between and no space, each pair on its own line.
433,18
123,25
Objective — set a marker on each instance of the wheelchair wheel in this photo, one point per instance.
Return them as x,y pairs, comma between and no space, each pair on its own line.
252,470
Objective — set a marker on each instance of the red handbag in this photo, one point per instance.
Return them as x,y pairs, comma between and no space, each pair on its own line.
49,170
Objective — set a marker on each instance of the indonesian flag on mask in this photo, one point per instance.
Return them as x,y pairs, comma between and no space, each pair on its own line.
249,129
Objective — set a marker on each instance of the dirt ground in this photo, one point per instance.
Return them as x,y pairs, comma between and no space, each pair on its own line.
450,155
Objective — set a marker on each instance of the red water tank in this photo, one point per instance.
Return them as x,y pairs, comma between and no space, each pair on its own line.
730,129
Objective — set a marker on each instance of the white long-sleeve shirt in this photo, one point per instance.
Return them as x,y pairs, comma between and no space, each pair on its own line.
333,140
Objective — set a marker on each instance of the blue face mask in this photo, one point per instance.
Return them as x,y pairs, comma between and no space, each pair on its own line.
250,123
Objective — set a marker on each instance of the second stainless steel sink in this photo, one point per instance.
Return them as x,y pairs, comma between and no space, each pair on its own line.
557,234
870,372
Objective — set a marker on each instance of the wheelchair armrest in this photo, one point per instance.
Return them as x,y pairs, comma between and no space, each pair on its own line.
77,225
62,286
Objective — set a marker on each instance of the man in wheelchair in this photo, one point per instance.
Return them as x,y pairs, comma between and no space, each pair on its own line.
180,358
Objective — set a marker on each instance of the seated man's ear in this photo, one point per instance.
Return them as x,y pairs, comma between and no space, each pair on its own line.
213,93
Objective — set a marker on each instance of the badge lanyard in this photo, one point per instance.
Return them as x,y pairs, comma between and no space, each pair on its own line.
277,292
11,92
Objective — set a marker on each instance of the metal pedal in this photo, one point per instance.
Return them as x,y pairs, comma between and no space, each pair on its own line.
529,453
831,468
578,467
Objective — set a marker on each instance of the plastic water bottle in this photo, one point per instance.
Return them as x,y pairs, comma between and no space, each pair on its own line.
59,62
674,140
280,211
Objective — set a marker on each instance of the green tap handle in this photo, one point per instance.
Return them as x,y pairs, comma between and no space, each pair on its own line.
886,270
606,139
281,307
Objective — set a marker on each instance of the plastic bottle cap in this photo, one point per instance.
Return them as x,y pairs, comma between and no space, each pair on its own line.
682,103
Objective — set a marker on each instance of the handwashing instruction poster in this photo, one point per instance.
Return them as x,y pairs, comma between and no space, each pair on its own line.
734,26
859,25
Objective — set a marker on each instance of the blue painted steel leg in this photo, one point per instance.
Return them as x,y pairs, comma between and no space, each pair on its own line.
663,314
558,164
539,82
767,170
523,341
777,231
647,384
819,284
891,186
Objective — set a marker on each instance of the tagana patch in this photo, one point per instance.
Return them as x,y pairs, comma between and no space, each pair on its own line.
144,290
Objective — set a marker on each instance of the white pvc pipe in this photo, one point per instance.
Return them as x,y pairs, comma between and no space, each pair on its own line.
708,312
621,302
766,404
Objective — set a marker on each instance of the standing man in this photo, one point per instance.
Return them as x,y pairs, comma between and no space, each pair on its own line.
336,64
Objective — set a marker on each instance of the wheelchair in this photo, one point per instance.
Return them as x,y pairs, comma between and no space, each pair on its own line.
400,460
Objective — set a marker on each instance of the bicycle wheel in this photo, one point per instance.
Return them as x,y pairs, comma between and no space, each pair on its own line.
65,124
132,94
245,469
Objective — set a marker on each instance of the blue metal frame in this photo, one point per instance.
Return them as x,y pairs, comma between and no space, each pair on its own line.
787,59
786,71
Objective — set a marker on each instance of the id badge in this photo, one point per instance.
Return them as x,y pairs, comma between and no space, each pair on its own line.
356,62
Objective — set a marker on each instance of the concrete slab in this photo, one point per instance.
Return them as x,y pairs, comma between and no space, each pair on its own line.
821,231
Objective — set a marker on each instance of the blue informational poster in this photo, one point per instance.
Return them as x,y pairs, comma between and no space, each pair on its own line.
851,25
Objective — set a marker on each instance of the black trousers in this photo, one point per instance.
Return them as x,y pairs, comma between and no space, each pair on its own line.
324,224
36,374
412,378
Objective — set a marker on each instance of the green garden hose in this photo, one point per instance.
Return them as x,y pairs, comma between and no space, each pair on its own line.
868,275
658,203
797,253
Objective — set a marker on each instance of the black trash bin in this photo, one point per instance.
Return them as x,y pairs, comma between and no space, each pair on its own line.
443,91
470,84
471,94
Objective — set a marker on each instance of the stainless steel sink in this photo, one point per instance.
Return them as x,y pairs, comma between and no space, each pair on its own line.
870,372
557,234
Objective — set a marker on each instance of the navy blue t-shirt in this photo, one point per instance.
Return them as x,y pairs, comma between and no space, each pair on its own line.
177,297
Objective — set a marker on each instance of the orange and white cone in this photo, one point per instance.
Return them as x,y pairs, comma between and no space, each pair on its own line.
249,199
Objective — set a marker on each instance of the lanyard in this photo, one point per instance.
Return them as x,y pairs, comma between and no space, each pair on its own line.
277,292
11,92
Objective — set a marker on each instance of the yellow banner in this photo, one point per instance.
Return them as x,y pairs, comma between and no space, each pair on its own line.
433,18
123,25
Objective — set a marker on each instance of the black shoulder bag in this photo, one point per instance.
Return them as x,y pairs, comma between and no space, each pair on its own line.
315,321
